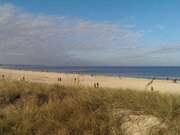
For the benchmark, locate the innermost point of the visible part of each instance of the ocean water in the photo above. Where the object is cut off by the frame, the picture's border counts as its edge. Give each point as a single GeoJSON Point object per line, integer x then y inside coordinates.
{"type": "Point", "coordinates": [142, 72]}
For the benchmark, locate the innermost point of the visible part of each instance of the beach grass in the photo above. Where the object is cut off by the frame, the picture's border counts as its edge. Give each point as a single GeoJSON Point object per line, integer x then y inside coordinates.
{"type": "Point", "coordinates": [42, 109]}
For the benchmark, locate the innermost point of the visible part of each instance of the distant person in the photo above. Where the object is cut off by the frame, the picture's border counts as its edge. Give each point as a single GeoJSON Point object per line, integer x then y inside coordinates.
{"type": "Point", "coordinates": [23, 78]}
{"type": "Point", "coordinates": [175, 80]}
{"type": "Point", "coordinates": [97, 85]}
{"type": "Point", "coordinates": [59, 79]}
{"type": "Point", "coordinates": [152, 88]}
{"type": "Point", "coordinates": [3, 77]}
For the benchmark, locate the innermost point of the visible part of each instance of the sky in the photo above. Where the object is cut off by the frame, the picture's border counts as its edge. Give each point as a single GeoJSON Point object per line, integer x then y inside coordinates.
{"type": "Point", "coordinates": [90, 32]}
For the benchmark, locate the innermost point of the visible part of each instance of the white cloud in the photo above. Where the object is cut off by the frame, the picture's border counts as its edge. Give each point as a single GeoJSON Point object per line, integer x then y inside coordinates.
{"type": "Point", "coordinates": [27, 38]}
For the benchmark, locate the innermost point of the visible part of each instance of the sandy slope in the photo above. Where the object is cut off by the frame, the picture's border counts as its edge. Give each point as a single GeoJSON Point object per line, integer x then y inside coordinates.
{"type": "Point", "coordinates": [163, 86]}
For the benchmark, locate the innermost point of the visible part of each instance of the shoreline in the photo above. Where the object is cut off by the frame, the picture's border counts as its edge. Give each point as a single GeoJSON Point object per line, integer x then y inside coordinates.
{"type": "Point", "coordinates": [88, 80]}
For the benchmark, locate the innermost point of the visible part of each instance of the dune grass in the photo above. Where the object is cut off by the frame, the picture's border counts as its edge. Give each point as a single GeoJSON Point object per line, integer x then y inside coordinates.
{"type": "Point", "coordinates": [42, 109]}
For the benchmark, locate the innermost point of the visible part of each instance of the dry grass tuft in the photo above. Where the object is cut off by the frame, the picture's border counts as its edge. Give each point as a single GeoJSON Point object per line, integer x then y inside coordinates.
{"type": "Point", "coordinates": [41, 109]}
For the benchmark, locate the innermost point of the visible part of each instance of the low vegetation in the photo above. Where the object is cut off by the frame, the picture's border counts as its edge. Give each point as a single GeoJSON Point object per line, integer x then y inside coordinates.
{"type": "Point", "coordinates": [42, 109]}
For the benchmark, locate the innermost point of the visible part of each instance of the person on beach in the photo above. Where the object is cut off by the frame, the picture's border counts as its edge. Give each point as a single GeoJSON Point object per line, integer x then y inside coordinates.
{"type": "Point", "coordinates": [175, 80]}
{"type": "Point", "coordinates": [96, 85]}
{"type": "Point", "coordinates": [3, 77]}
{"type": "Point", "coordinates": [152, 88]}
{"type": "Point", "coordinates": [59, 79]}
{"type": "Point", "coordinates": [23, 78]}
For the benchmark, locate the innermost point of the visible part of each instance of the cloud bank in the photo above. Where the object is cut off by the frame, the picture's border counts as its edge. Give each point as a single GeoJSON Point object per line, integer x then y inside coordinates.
{"type": "Point", "coordinates": [27, 38]}
{"type": "Point", "coordinates": [39, 39]}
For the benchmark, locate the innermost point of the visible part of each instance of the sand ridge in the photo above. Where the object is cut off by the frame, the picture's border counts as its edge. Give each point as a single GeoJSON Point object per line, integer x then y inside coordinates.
{"type": "Point", "coordinates": [163, 86]}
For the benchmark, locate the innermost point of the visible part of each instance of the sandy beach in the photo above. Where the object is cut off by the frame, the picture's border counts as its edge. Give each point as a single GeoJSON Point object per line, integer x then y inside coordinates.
{"type": "Point", "coordinates": [68, 79]}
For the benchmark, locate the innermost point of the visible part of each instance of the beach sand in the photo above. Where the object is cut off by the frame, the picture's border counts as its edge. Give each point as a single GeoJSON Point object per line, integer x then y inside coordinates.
{"type": "Point", "coordinates": [67, 79]}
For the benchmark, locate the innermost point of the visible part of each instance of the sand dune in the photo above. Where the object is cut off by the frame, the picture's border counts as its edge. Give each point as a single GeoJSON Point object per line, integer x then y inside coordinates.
{"type": "Point", "coordinates": [163, 86]}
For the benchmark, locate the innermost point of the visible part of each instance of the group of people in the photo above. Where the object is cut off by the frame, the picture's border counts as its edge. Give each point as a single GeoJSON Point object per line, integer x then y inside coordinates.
{"type": "Point", "coordinates": [3, 77]}
{"type": "Point", "coordinates": [96, 84]}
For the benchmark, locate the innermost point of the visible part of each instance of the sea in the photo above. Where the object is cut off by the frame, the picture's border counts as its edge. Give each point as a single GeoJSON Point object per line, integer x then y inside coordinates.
{"type": "Point", "coordinates": [125, 71]}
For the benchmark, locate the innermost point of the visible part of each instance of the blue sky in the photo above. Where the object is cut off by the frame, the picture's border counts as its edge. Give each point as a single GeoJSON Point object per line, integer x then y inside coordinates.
{"type": "Point", "coordinates": [142, 32]}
